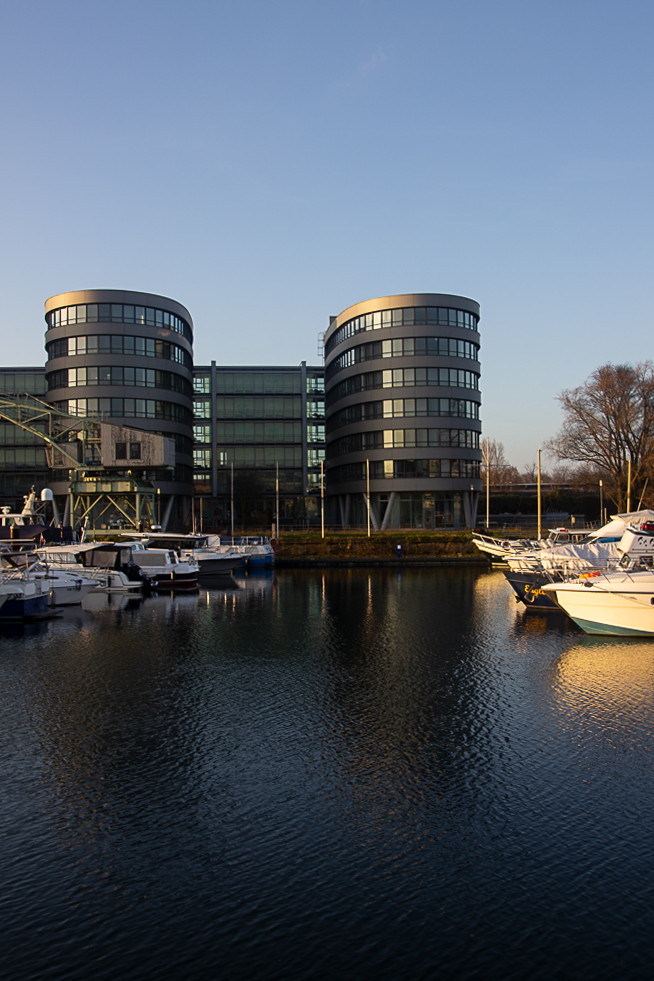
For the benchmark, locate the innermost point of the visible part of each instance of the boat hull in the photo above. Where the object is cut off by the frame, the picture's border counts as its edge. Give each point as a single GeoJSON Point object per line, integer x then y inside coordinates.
{"type": "Point", "coordinates": [218, 564]}
{"type": "Point", "coordinates": [528, 587]}
{"type": "Point", "coordinates": [21, 607]}
{"type": "Point", "coordinates": [616, 614]}
{"type": "Point", "coordinates": [170, 580]}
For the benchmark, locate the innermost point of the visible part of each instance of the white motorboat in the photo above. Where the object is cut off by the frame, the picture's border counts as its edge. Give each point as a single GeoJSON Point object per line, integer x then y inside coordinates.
{"type": "Point", "coordinates": [108, 565]}
{"type": "Point", "coordinates": [22, 597]}
{"type": "Point", "coordinates": [213, 558]}
{"type": "Point", "coordinates": [500, 548]}
{"type": "Point", "coordinates": [530, 571]}
{"type": "Point", "coordinates": [66, 588]}
{"type": "Point", "coordinates": [163, 569]}
{"type": "Point", "coordinates": [619, 602]}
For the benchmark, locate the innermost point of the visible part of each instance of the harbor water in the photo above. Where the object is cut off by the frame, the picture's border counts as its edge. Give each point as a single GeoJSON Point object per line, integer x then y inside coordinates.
{"type": "Point", "coordinates": [348, 774]}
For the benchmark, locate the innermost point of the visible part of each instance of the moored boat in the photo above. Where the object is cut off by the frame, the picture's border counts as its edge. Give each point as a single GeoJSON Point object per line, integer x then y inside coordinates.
{"type": "Point", "coordinates": [618, 602]}
{"type": "Point", "coordinates": [212, 558]}
{"type": "Point", "coordinates": [530, 571]}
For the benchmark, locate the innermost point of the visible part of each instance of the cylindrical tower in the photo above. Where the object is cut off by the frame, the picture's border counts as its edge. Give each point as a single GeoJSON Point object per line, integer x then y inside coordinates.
{"type": "Point", "coordinates": [126, 358]}
{"type": "Point", "coordinates": [409, 416]}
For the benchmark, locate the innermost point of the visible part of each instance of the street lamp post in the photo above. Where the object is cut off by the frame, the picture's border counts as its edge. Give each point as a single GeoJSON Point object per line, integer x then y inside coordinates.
{"type": "Point", "coordinates": [601, 488]}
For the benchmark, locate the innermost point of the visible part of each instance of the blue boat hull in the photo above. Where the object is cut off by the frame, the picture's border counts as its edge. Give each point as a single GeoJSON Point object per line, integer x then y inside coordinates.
{"type": "Point", "coordinates": [24, 606]}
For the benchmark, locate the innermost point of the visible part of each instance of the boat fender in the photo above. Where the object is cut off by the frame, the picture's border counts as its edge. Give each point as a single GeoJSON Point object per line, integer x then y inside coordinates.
{"type": "Point", "coordinates": [506, 545]}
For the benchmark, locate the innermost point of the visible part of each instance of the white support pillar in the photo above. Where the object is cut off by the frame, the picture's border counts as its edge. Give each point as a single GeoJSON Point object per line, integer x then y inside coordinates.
{"type": "Point", "coordinates": [387, 512]}
{"type": "Point", "coordinates": [373, 516]}
{"type": "Point", "coordinates": [169, 508]}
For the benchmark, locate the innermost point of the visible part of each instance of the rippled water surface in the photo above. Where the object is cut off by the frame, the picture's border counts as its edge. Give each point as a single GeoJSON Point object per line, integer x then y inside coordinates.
{"type": "Point", "coordinates": [343, 775]}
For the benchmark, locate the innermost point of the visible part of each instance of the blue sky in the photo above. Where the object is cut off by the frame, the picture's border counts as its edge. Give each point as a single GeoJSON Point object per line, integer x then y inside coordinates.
{"type": "Point", "coordinates": [270, 163]}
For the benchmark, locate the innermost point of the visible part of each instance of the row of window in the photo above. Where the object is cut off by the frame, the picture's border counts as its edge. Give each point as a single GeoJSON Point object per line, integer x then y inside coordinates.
{"type": "Point", "coordinates": [404, 347]}
{"type": "Point", "coordinates": [118, 344]}
{"type": "Point", "coordinates": [401, 408]}
{"type": "Point", "coordinates": [260, 408]}
{"type": "Point", "coordinates": [403, 317]}
{"type": "Point", "coordinates": [11, 435]}
{"type": "Point", "coordinates": [22, 381]}
{"type": "Point", "coordinates": [403, 469]}
{"type": "Point", "coordinates": [259, 456]}
{"type": "Point", "coordinates": [264, 408]}
{"type": "Point", "coordinates": [251, 432]}
{"type": "Point", "coordinates": [22, 457]}
{"type": "Point", "coordinates": [382, 439]}
{"type": "Point", "coordinates": [259, 383]}
{"type": "Point", "coordinates": [289, 482]}
{"type": "Point", "coordinates": [126, 409]}
{"type": "Point", "coordinates": [118, 313]}
{"type": "Point", "coordinates": [404, 378]}
{"type": "Point", "coordinates": [118, 375]}
{"type": "Point", "coordinates": [258, 432]}
{"type": "Point", "coordinates": [250, 456]}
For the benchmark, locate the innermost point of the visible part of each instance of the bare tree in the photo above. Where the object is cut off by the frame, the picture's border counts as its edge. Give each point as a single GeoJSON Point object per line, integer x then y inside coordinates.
{"type": "Point", "coordinates": [608, 421]}
{"type": "Point", "coordinates": [501, 471]}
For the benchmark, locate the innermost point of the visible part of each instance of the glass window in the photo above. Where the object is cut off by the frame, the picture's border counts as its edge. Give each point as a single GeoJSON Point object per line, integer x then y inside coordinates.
{"type": "Point", "coordinates": [139, 315]}
{"type": "Point", "coordinates": [117, 375]}
{"type": "Point", "coordinates": [135, 451]}
{"type": "Point", "coordinates": [166, 318]}
{"type": "Point", "coordinates": [117, 312]}
{"type": "Point", "coordinates": [420, 315]}
{"type": "Point", "coordinates": [397, 318]}
{"type": "Point", "coordinates": [159, 318]}
{"type": "Point", "coordinates": [376, 320]}
{"type": "Point", "coordinates": [72, 315]}
{"type": "Point", "coordinates": [92, 313]}
{"type": "Point", "coordinates": [408, 316]}
{"type": "Point", "coordinates": [104, 311]}
{"type": "Point", "coordinates": [128, 345]}
{"type": "Point", "coordinates": [149, 316]}
{"type": "Point", "coordinates": [139, 345]}
{"type": "Point", "coordinates": [121, 451]}
{"type": "Point", "coordinates": [116, 407]}
{"type": "Point", "coordinates": [386, 318]}
{"type": "Point", "coordinates": [116, 344]}
{"type": "Point", "coordinates": [81, 314]}
{"type": "Point", "coordinates": [128, 314]}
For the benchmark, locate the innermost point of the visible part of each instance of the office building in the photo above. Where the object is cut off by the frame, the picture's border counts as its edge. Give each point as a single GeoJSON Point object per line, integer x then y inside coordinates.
{"type": "Point", "coordinates": [260, 431]}
{"type": "Point", "coordinates": [402, 399]}
{"type": "Point", "coordinates": [127, 358]}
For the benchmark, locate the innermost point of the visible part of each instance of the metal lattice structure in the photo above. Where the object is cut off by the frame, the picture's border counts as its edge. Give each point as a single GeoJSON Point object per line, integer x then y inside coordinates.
{"type": "Point", "coordinates": [87, 450]}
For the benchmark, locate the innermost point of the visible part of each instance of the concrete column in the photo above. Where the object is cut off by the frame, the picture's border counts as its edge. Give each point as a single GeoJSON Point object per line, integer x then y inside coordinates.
{"type": "Point", "coordinates": [373, 516]}
{"type": "Point", "coordinates": [166, 517]}
{"type": "Point", "coordinates": [387, 513]}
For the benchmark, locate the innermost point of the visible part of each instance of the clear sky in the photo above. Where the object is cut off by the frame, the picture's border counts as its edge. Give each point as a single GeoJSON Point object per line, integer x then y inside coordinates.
{"type": "Point", "coordinates": [270, 163]}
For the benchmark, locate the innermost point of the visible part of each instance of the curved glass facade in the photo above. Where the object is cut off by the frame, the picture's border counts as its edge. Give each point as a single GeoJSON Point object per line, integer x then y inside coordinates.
{"type": "Point", "coordinates": [105, 357]}
{"type": "Point", "coordinates": [438, 486]}
{"type": "Point", "coordinates": [118, 313]}
{"type": "Point", "coordinates": [145, 347]}
{"type": "Point", "coordinates": [92, 375]}
{"type": "Point", "coordinates": [401, 317]}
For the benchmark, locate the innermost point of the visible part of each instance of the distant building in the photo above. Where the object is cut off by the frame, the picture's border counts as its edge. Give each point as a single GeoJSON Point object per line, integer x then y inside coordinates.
{"type": "Point", "coordinates": [126, 358]}
{"type": "Point", "coordinates": [398, 403]}
{"type": "Point", "coordinates": [402, 398]}
{"type": "Point", "coordinates": [266, 425]}
{"type": "Point", "coordinates": [22, 455]}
